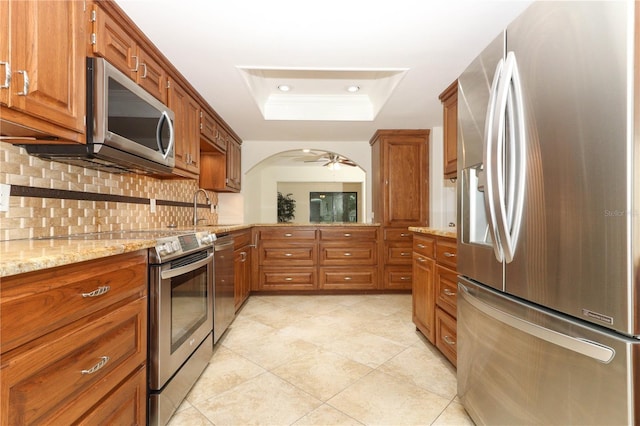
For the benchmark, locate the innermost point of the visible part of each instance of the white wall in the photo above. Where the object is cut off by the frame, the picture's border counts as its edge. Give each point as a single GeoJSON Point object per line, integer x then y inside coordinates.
{"type": "Point", "coordinates": [442, 192]}
{"type": "Point", "coordinates": [259, 189]}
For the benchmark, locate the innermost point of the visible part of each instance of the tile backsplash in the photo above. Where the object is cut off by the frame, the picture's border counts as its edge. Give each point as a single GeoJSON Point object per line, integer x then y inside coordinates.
{"type": "Point", "coordinates": [44, 200]}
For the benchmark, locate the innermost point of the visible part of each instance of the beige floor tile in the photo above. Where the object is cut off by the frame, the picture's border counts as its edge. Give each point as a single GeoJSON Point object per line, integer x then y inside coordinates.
{"type": "Point", "coordinates": [364, 347]}
{"type": "Point", "coordinates": [225, 370]}
{"type": "Point", "coordinates": [270, 349]}
{"type": "Point", "coordinates": [322, 374]}
{"type": "Point", "coordinates": [425, 368]}
{"type": "Point", "coordinates": [326, 415]}
{"type": "Point", "coordinates": [263, 400]}
{"type": "Point", "coordinates": [380, 399]}
{"type": "Point", "coordinates": [189, 417]}
{"type": "Point", "coordinates": [454, 415]}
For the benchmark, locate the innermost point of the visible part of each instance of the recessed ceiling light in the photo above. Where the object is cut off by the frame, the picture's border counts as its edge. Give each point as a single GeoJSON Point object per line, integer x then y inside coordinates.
{"type": "Point", "coordinates": [353, 88]}
{"type": "Point", "coordinates": [306, 150]}
{"type": "Point", "coordinates": [284, 87]}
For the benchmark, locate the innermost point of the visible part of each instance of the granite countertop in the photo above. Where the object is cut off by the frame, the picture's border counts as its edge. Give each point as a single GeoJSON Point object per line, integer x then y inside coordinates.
{"type": "Point", "coordinates": [441, 232]}
{"type": "Point", "coordinates": [21, 256]}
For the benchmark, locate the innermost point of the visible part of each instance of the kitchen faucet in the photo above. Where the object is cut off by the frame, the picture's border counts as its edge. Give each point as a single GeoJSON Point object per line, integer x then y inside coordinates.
{"type": "Point", "coordinates": [195, 204]}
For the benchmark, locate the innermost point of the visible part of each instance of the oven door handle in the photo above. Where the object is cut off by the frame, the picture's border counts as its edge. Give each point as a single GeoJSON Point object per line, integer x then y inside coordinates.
{"type": "Point", "coordinates": [170, 273]}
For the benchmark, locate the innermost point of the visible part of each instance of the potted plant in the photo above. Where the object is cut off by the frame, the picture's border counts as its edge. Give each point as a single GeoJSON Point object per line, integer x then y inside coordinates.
{"type": "Point", "coordinates": [286, 207]}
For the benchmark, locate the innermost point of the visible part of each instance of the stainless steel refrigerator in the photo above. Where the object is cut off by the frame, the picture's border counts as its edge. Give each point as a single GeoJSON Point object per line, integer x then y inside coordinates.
{"type": "Point", "coordinates": [549, 229]}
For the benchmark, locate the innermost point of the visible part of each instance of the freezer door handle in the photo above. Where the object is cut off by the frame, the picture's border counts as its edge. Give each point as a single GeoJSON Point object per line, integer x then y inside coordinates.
{"type": "Point", "coordinates": [601, 353]}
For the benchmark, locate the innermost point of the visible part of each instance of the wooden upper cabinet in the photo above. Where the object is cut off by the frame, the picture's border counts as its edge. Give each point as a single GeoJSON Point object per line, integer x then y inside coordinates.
{"type": "Point", "coordinates": [187, 123]}
{"type": "Point", "coordinates": [449, 99]}
{"type": "Point", "coordinates": [400, 177]}
{"type": "Point", "coordinates": [113, 42]}
{"type": "Point", "coordinates": [42, 49]}
{"type": "Point", "coordinates": [212, 135]}
{"type": "Point", "coordinates": [221, 171]}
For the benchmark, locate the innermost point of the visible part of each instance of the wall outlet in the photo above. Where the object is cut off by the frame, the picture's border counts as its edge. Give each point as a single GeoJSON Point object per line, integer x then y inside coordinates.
{"type": "Point", "coordinates": [213, 207]}
{"type": "Point", "coordinates": [152, 205]}
{"type": "Point", "coordinates": [5, 191]}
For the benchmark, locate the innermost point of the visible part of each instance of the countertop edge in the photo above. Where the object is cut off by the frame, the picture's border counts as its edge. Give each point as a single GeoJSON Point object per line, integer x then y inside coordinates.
{"type": "Point", "coordinates": [446, 232]}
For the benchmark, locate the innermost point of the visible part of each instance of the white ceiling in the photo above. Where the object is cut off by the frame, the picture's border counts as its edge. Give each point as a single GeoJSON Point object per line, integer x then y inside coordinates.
{"type": "Point", "coordinates": [402, 54]}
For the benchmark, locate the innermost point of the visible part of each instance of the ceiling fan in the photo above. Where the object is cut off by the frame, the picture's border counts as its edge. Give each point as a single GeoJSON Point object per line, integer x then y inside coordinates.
{"type": "Point", "coordinates": [332, 160]}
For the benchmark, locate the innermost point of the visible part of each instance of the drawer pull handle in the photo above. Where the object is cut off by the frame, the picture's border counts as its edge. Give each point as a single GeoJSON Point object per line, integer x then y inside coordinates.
{"type": "Point", "coordinates": [347, 278]}
{"type": "Point", "coordinates": [448, 292]}
{"type": "Point", "coordinates": [347, 254]}
{"type": "Point", "coordinates": [288, 254]}
{"type": "Point", "coordinates": [25, 83]}
{"type": "Point", "coordinates": [7, 75]}
{"type": "Point", "coordinates": [347, 235]}
{"type": "Point", "coordinates": [404, 253]}
{"type": "Point", "coordinates": [405, 235]}
{"type": "Point", "coordinates": [97, 292]}
{"type": "Point", "coordinates": [405, 278]}
{"type": "Point", "coordinates": [447, 254]}
{"type": "Point", "coordinates": [449, 340]}
{"type": "Point", "coordinates": [421, 246]}
{"type": "Point", "coordinates": [421, 259]}
{"type": "Point", "coordinates": [288, 234]}
{"type": "Point", "coordinates": [103, 361]}
{"type": "Point", "coordinates": [288, 279]}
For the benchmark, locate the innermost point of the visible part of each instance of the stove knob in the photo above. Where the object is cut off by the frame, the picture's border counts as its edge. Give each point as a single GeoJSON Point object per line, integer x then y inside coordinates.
{"type": "Point", "coordinates": [165, 248]}
{"type": "Point", "coordinates": [208, 238]}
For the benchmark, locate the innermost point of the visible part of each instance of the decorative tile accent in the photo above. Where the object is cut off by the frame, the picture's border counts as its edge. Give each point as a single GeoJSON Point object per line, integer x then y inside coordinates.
{"type": "Point", "coordinates": [32, 217]}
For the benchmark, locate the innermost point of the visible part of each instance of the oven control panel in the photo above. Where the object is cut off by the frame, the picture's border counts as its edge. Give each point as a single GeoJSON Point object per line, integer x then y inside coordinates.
{"type": "Point", "coordinates": [177, 245]}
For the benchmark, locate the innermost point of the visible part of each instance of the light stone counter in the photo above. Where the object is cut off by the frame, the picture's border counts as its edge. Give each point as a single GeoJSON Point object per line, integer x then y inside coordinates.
{"type": "Point", "coordinates": [20, 256]}
{"type": "Point", "coordinates": [442, 232]}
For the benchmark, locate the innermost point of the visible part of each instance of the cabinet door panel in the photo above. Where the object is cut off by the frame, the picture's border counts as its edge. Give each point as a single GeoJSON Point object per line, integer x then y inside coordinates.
{"type": "Point", "coordinates": [152, 76]}
{"type": "Point", "coordinates": [424, 296]}
{"type": "Point", "coordinates": [347, 254]}
{"type": "Point", "coordinates": [62, 378]}
{"type": "Point", "coordinates": [5, 60]}
{"type": "Point", "coordinates": [114, 44]}
{"type": "Point", "coordinates": [299, 278]}
{"type": "Point", "coordinates": [446, 335]}
{"type": "Point", "coordinates": [349, 278]}
{"type": "Point", "coordinates": [47, 61]}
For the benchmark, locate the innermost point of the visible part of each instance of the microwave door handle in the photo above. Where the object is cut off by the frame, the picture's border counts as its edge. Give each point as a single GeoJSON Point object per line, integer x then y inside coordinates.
{"type": "Point", "coordinates": [165, 117]}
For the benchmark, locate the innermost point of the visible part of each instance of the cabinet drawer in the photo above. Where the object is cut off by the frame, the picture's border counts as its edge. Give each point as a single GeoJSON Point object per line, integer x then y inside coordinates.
{"type": "Point", "coordinates": [349, 278]}
{"type": "Point", "coordinates": [288, 234]}
{"type": "Point", "coordinates": [126, 405]}
{"type": "Point", "coordinates": [348, 234]}
{"type": "Point", "coordinates": [398, 234]}
{"type": "Point", "coordinates": [291, 279]}
{"type": "Point", "coordinates": [61, 378]}
{"type": "Point", "coordinates": [446, 290]}
{"type": "Point", "coordinates": [446, 335]}
{"type": "Point", "coordinates": [288, 255]}
{"type": "Point", "coordinates": [398, 253]}
{"type": "Point", "coordinates": [447, 253]}
{"type": "Point", "coordinates": [241, 238]}
{"type": "Point", "coordinates": [424, 245]}
{"type": "Point", "coordinates": [37, 303]}
{"type": "Point", "coordinates": [398, 278]}
{"type": "Point", "coordinates": [347, 255]}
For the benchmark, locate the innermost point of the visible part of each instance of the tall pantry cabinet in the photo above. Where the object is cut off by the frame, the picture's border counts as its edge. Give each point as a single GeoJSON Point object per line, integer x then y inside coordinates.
{"type": "Point", "coordinates": [400, 189]}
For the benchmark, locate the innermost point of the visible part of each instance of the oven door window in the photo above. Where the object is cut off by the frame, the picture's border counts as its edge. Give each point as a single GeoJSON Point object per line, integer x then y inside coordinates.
{"type": "Point", "coordinates": [188, 305]}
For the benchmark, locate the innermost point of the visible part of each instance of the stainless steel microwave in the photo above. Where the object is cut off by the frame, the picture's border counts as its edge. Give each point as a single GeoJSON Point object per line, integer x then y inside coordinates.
{"type": "Point", "coordinates": [128, 130]}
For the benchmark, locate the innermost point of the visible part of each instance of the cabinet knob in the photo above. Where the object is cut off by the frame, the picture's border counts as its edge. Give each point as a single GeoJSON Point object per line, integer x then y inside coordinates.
{"type": "Point", "coordinates": [288, 254]}
{"type": "Point", "coordinates": [103, 361]}
{"type": "Point", "coordinates": [7, 75]}
{"type": "Point", "coordinates": [347, 278]}
{"type": "Point", "coordinates": [448, 292]}
{"type": "Point", "coordinates": [447, 254]}
{"type": "Point", "coordinates": [449, 340]}
{"type": "Point", "coordinates": [97, 292]}
{"type": "Point", "coordinates": [347, 254]}
{"type": "Point", "coordinates": [421, 246]}
{"type": "Point", "coordinates": [288, 234]}
{"type": "Point", "coordinates": [404, 253]}
{"type": "Point", "coordinates": [347, 235]}
{"type": "Point", "coordinates": [288, 279]}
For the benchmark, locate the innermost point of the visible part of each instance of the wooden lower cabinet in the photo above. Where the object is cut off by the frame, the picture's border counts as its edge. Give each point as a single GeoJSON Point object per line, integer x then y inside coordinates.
{"type": "Point", "coordinates": [91, 351]}
{"type": "Point", "coordinates": [318, 258]}
{"type": "Point", "coordinates": [242, 255]}
{"type": "Point", "coordinates": [435, 291]}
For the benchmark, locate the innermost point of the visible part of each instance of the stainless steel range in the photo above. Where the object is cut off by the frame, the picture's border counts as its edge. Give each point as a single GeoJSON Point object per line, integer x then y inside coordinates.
{"type": "Point", "coordinates": [181, 274]}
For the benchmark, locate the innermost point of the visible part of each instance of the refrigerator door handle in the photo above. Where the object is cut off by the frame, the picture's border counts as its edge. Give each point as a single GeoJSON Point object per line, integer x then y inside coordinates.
{"type": "Point", "coordinates": [488, 177]}
{"type": "Point", "coordinates": [601, 353]}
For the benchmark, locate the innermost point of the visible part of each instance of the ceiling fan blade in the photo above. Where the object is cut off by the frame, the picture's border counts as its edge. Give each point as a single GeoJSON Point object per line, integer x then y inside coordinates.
{"type": "Point", "coordinates": [347, 162]}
